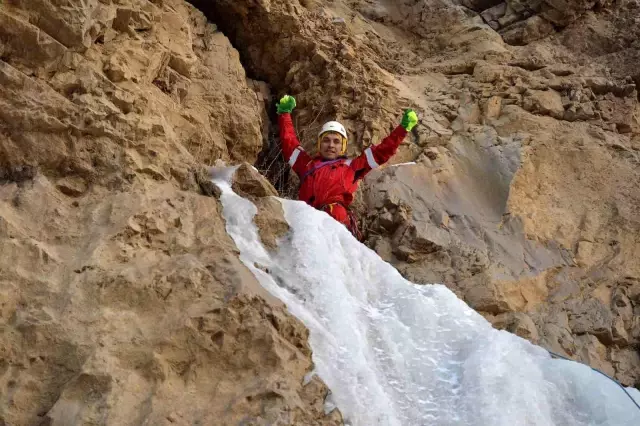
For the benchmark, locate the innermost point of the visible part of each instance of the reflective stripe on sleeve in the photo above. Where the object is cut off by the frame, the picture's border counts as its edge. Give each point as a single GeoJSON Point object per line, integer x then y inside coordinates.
{"type": "Point", "coordinates": [370, 160]}
{"type": "Point", "coordinates": [294, 156]}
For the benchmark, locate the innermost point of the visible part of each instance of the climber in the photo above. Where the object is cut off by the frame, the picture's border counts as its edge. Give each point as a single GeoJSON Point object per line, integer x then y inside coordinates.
{"type": "Point", "coordinates": [329, 179]}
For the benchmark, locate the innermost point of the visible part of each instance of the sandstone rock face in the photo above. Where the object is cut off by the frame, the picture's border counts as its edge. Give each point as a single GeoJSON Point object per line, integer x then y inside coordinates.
{"type": "Point", "coordinates": [122, 298]}
{"type": "Point", "coordinates": [143, 97]}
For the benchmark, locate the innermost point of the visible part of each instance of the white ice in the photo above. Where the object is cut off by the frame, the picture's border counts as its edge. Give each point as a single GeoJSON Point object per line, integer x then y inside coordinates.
{"type": "Point", "coordinates": [396, 353]}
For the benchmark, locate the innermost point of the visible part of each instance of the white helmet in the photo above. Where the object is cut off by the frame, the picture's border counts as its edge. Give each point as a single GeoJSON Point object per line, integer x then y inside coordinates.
{"type": "Point", "coordinates": [333, 126]}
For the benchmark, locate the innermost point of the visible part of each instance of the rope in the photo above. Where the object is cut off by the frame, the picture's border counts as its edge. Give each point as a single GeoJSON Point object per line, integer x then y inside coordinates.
{"type": "Point", "coordinates": [553, 354]}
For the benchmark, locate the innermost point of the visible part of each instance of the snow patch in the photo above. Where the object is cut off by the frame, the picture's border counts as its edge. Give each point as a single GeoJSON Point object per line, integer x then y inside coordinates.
{"type": "Point", "coordinates": [410, 163]}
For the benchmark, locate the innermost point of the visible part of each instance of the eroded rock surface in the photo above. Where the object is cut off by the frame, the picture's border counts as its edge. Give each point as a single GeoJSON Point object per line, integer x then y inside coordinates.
{"type": "Point", "coordinates": [122, 298]}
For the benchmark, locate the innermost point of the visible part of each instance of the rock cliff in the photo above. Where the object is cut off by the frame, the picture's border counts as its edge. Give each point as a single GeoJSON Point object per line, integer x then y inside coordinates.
{"type": "Point", "coordinates": [122, 298]}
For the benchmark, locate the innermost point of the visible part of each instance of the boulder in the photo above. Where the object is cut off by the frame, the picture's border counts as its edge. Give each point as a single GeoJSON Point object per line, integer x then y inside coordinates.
{"type": "Point", "coordinates": [527, 31]}
{"type": "Point", "coordinates": [624, 362]}
{"type": "Point", "coordinates": [270, 221]}
{"type": "Point", "coordinates": [248, 182]}
{"type": "Point", "coordinates": [546, 102]}
{"type": "Point", "coordinates": [517, 323]}
{"type": "Point", "coordinates": [620, 335]}
{"type": "Point", "coordinates": [592, 352]}
{"type": "Point", "coordinates": [73, 186]}
{"type": "Point", "coordinates": [492, 107]}
{"type": "Point", "coordinates": [593, 317]}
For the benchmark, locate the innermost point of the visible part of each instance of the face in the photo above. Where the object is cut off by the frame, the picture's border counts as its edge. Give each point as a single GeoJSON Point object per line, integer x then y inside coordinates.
{"type": "Point", "coordinates": [331, 146]}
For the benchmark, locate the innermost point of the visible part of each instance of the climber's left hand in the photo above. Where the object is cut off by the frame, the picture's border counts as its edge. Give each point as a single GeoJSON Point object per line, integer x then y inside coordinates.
{"type": "Point", "coordinates": [409, 120]}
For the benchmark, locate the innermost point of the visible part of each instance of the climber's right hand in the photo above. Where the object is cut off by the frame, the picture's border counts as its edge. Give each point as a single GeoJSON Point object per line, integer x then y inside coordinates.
{"type": "Point", "coordinates": [286, 104]}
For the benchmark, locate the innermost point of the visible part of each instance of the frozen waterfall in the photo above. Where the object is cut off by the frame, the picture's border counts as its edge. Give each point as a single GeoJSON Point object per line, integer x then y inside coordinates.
{"type": "Point", "coordinates": [396, 353]}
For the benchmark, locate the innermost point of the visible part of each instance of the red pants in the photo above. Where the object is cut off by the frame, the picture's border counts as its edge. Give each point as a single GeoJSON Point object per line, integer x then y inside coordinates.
{"type": "Point", "coordinates": [344, 216]}
{"type": "Point", "coordinates": [338, 212]}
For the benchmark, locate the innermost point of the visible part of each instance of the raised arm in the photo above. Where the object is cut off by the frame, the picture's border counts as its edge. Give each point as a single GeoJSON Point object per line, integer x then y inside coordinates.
{"type": "Point", "coordinates": [291, 149]}
{"type": "Point", "coordinates": [376, 155]}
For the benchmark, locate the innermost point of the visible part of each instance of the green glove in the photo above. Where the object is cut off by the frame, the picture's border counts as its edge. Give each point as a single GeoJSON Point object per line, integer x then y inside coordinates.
{"type": "Point", "coordinates": [286, 104]}
{"type": "Point", "coordinates": [409, 120]}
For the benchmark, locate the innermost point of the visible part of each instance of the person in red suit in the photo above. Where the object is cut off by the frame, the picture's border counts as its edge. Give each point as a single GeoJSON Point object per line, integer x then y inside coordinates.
{"type": "Point", "coordinates": [329, 179]}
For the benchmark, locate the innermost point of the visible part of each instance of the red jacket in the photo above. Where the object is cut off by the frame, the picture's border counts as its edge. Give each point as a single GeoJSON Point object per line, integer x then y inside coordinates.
{"type": "Point", "coordinates": [330, 187]}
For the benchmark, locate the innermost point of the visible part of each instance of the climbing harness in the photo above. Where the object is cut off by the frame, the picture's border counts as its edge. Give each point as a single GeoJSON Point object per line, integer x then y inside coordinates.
{"type": "Point", "coordinates": [319, 166]}
{"type": "Point", "coordinates": [352, 226]}
{"type": "Point", "coordinates": [553, 354]}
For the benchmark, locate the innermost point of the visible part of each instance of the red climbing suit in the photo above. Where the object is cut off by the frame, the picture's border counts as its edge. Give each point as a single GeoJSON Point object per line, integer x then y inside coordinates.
{"type": "Point", "coordinates": [329, 185]}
